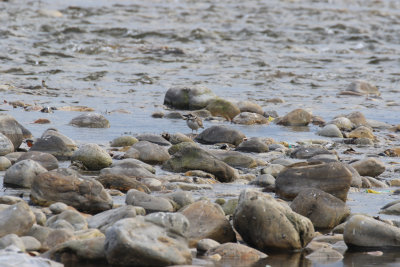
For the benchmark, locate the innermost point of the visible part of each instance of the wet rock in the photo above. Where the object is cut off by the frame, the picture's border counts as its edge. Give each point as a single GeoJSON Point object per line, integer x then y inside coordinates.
{"type": "Point", "coordinates": [86, 250]}
{"type": "Point", "coordinates": [188, 98]}
{"type": "Point", "coordinates": [8, 258]}
{"type": "Point", "coordinates": [285, 230]}
{"type": "Point", "coordinates": [363, 88]}
{"type": "Point", "coordinates": [16, 219]}
{"type": "Point", "coordinates": [47, 160]}
{"type": "Point", "coordinates": [305, 152]}
{"type": "Point", "coordinates": [254, 144]}
{"type": "Point", "coordinates": [86, 195]}
{"type": "Point", "coordinates": [207, 220]}
{"type": "Point", "coordinates": [235, 159]}
{"type": "Point", "coordinates": [325, 256]}
{"type": "Point", "coordinates": [392, 208]}
{"type": "Point", "coordinates": [330, 130]}
{"type": "Point", "coordinates": [369, 167]}
{"type": "Point", "coordinates": [206, 244]}
{"type": "Point", "coordinates": [177, 138]}
{"type": "Point", "coordinates": [158, 114]}
{"type": "Point", "coordinates": [362, 132]}
{"type": "Point", "coordinates": [122, 183]}
{"type": "Point", "coordinates": [153, 138]}
{"type": "Point", "coordinates": [174, 115]}
{"type": "Point", "coordinates": [106, 219]}
{"type": "Point", "coordinates": [357, 118]}
{"type": "Point", "coordinates": [56, 144]}
{"type": "Point", "coordinates": [248, 118]}
{"type": "Point", "coordinates": [6, 146]}
{"type": "Point", "coordinates": [342, 123]}
{"type": "Point", "coordinates": [11, 240]}
{"type": "Point", "coordinates": [333, 178]}
{"type": "Point", "coordinates": [5, 163]}
{"type": "Point", "coordinates": [323, 209]}
{"type": "Point", "coordinates": [22, 173]}
{"type": "Point", "coordinates": [148, 202]}
{"type": "Point", "coordinates": [223, 108]}
{"type": "Point", "coordinates": [374, 124]}
{"type": "Point", "coordinates": [249, 106]}
{"type": "Point", "coordinates": [151, 153]}
{"type": "Point", "coordinates": [31, 243]}
{"type": "Point", "coordinates": [297, 117]}
{"type": "Point", "coordinates": [154, 240]}
{"type": "Point", "coordinates": [77, 221]}
{"type": "Point", "coordinates": [92, 156]}
{"type": "Point", "coordinates": [126, 140]}
{"type": "Point", "coordinates": [237, 252]}
{"type": "Point", "coordinates": [220, 134]}
{"type": "Point", "coordinates": [90, 120]}
{"type": "Point", "coordinates": [362, 231]}
{"type": "Point", "coordinates": [194, 158]}
{"type": "Point", "coordinates": [11, 129]}
{"type": "Point", "coordinates": [273, 169]}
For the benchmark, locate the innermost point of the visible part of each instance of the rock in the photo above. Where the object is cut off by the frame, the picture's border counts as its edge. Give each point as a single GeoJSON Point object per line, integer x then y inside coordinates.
{"type": "Point", "coordinates": [11, 240]}
{"type": "Point", "coordinates": [206, 244]}
{"type": "Point", "coordinates": [58, 207]}
{"type": "Point", "coordinates": [273, 169]}
{"type": "Point", "coordinates": [207, 220]}
{"type": "Point", "coordinates": [22, 173]}
{"type": "Point", "coordinates": [174, 115]}
{"type": "Point", "coordinates": [77, 221]}
{"type": "Point", "coordinates": [92, 156]}
{"type": "Point", "coordinates": [187, 186]}
{"type": "Point", "coordinates": [178, 147]}
{"type": "Point", "coordinates": [58, 236]}
{"type": "Point", "coordinates": [333, 178]}
{"type": "Point", "coordinates": [83, 250]}
{"type": "Point", "coordinates": [297, 117]}
{"type": "Point", "coordinates": [285, 230]}
{"type": "Point", "coordinates": [264, 180]}
{"type": "Point", "coordinates": [8, 258]}
{"type": "Point", "coordinates": [392, 208]}
{"type": "Point", "coordinates": [12, 157]}
{"type": "Point", "coordinates": [317, 120]}
{"type": "Point", "coordinates": [47, 160]}
{"type": "Point", "coordinates": [363, 88]}
{"type": "Point", "coordinates": [357, 118]}
{"type": "Point", "coordinates": [369, 167]}
{"type": "Point", "coordinates": [249, 106]}
{"type": "Point", "coordinates": [122, 183]}
{"type": "Point", "coordinates": [342, 123]}
{"type": "Point", "coordinates": [148, 202]}
{"type": "Point", "coordinates": [126, 140]}
{"type": "Point", "coordinates": [151, 153]}
{"type": "Point", "coordinates": [155, 240]}
{"type": "Point", "coordinates": [177, 138]}
{"type": "Point", "coordinates": [270, 114]}
{"type": "Point", "coordinates": [131, 153]}
{"type": "Point", "coordinates": [90, 120]}
{"type": "Point", "coordinates": [86, 195]}
{"type": "Point", "coordinates": [325, 256]}
{"type": "Point", "coordinates": [153, 138]}
{"type": "Point", "coordinates": [323, 209]}
{"type": "Point", "coordinates": [356, 180]}
{"type": "Point", "coordinates": [361, 132]}
{"type": "Point", "coordinates": [220, 134]}
{"type": "Point", "coordinates": [188, 98]}
{"type": "Point", "coordinates": [5, 163]}
{"type": "Point", "coordinates": [10, 200]}
{"type": "Point", "coordinates": [12, 130]}
{"type": "Point", "coordinates": [305, 152]}
{"type": "Point", "coordinates": [248, 118]}
{"type": "Point", "coordinates": [365, 232]}
{"type": "Point", "coordinates": [39, 232]}
{"type": "Point", "coordinates": [330, 130]}
{"type": "Point", "coordinates": [240, 253]}
{"type": "Point", "coordinates": [31, 243]}
{"type": "Point", "coordinates": [16, 219]}
{"type": "Point", "coordinates": [158, 114]}
{"type": "Point", "coordinates": [223, 108]}
{"type": "Point", "coordinates": [130, 168]}
{"type": "Point", "coordinates": [325, 158]}
{"type": "Point", "coordinates": [235, 159]}
{"type": "Point", "coordinates": [180, 197]}
{"type": "Point", "coordinates": [194, 158]}
{"type": "Point", "coordinates": [106, 219]}
{"type": "Point", "coordinates": [254, 144]}
{"type": "Point", "coordinates": [56, 144]}
{"type": "Point", "coordinates": [229, 206]}
{"type": "Point", "coordinates": [6, 146]}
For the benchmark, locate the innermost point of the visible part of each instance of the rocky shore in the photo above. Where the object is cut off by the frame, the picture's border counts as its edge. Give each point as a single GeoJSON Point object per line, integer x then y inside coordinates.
{"type": "Point", "coordinates": [292, 197]}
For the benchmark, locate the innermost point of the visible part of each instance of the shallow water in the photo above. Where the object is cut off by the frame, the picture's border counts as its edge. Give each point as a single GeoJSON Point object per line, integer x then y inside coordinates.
{"type": "Point", "coordinates": [124, 55]}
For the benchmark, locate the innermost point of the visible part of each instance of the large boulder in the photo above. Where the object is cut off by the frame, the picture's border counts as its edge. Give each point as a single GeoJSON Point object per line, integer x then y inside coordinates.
{"type": "Point", "coordinates": [223, 108]}
{"type": "Point", "coordinates": [151, 153]}
{"type": "Point", "coordinates": [220, 134]}
{"type": "Point", "coordinates": [323, 209]}
{"type": "Point", "coordinates": [22, 173]}
{"type": "Point", "coordinates": [267, 224]}
{"type": "Point", "coordinates": [362, 231]}
{"type": "Point", "coordinates": [92, 156]}
{"type": "Point", "coordinates": [90, 120]}
{"type": "Point", "coordinates": [195, 158]}
{"type": "Point", "coordinates": [12, 129]}
{"type": "Point", "coordinates": [297, 117]}
{"type": "Point", "coordinates": [207, 220]}
{"type": "Point", "coordinates": [157, 239]}
{"type": "Point", "coordinates": [148, 202]}
{"type": "Point", "coordinates": [333, 178]}
{"type": "Point", "coordinates": [369, 167]}
{"type": "Point", "coordinates": [6, 146]}
{"type": "Point", "coordinates": [47, 160]}
{"type": "Point", "coordinates": [56, 144]}
{"type": "Point", "coordinates": [16, 219]}
{"type": "Point", "coordinates": [188, 98]}
{"type": "Point", "coordinates": [60, 185]}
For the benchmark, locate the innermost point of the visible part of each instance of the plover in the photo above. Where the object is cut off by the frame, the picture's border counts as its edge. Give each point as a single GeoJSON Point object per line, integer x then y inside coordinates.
{"type": "Point", "coordinates": [193, 122]}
